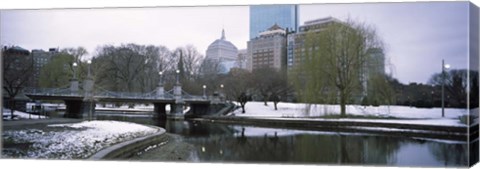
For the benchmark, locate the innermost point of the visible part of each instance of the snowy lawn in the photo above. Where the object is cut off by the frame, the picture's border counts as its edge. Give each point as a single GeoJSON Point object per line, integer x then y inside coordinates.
{"type": "Point", "coordinates": [70, 141]}
{"type": "Point", "coordinates": [387, 114]}
{"type": "Point", "coordinates": [19, 115]}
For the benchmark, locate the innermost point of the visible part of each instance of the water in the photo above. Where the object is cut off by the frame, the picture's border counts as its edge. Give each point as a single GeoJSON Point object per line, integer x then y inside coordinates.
{"type": "Point", "coordinates": [215, 142]}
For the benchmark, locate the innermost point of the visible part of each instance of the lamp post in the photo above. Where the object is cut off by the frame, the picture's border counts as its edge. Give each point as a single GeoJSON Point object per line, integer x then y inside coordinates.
{"type": "Point", "coordinates": [178, 73]}
{"type": "Point", "coordinates": [444, 66]}
{"type": "Point", "coordinates": [89, 62]}
{"type": "Point", "coordinates": [74, 70]}
{"type": "Point", "coordinates": [161, 78]}
{"type": "Point", "coordinates": [204, 91]}
{"type": "Point", "coordinates": [222, 93]}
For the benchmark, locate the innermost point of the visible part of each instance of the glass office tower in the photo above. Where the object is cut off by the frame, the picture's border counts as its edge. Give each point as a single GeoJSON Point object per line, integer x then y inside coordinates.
{"type": "Point", "coordinates": [263, 17]}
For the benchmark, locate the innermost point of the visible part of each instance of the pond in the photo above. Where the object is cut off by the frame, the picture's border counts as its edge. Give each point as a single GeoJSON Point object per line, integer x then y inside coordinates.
{"type": "Point", "coordinates": [215, 142]}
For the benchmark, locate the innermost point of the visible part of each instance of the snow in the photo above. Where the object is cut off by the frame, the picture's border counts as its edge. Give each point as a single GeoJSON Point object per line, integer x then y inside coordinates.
{"type": "Point", "coordinates": [20, 115]}
{"type": "Point", "coordinates": [405, 114]}
{"type": "Point", "coordinates": [271, 132]}
{"type": "Point", "coordinates": [261, 131]}
{"type": "Point", "coordinates": [72, 141]}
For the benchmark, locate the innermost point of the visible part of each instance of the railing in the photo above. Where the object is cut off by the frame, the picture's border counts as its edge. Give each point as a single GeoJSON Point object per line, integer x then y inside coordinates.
{"type": "Point", "coordinates": [188, 96]}
{"type": "Point", "coordinates": [51, 92]}
{"type": "Point", "coordinates": [106, 94]}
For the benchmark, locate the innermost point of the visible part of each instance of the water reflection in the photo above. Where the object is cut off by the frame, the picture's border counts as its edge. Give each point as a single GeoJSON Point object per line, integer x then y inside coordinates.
{"type": "Point", "coordinates": [235, 143]}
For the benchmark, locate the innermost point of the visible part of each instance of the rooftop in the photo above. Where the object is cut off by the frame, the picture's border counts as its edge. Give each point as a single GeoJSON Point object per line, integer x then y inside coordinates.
{"type": "Point", "coordinates": [321, 21]}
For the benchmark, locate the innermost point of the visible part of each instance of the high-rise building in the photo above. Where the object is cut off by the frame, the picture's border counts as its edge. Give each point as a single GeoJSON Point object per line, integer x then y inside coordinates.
{"type": "Point", "coordinates": [242, 59]}
{"type": "Point", "coordinates": [374, 66]}
{"type": "Point", "coordinates": [40, 59]}
{"type": "Point", "coordinates": [268, 49]}
{"type": "Point", "coordinates": [264, 16]}
{"type": "Point", "coordinates": [297, 52]}
{"type": "Point", "coordinates": [296, 49]}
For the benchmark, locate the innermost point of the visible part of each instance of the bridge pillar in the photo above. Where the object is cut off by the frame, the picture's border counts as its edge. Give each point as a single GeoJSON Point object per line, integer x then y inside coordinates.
{"type": "Point", "coordinates": [74, 86]}
{"type": "Point", "coordinates": [88, 110]}
{"type": "Point", "coordinates": [160, 91]}
{"type": "Point", "coordinates": [159, 110]}
{"type": "Point", "coordinates": [198, 110]}
{"type": "Point", "coordinates": [176, 111]}
{"type": "Point", "coordinates": [88, 105]}
{"type": "Point", "coordinates": [73, 109]}
{"type": "Point", "coordinates": [79, 109]}
{"type": "Point", "coordinates": [177, 92]}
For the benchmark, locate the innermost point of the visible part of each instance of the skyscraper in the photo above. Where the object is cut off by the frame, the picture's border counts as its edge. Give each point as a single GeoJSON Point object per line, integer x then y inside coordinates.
{"type": "Point", "coordinates": [40, 59]}
{"type": "Point", "coordinates": [268, 49]}
{"type": "Point", "coordinates": [263, 17]}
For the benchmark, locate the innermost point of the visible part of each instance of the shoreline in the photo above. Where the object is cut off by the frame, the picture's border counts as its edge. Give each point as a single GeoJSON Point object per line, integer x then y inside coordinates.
{"type": "Point", "coordinates": [457, 133]}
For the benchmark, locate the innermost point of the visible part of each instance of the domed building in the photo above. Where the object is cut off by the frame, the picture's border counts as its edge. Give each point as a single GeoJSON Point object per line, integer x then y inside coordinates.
{"type": "Point", "coordinates": [222, 50]}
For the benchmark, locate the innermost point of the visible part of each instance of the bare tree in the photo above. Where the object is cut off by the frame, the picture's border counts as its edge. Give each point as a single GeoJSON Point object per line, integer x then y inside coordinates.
{"type": "Point", "coordinates": [190, 57]}
{"type": "Point", "coordinates": [211, 67]}
{"type": "Point", "coordinates": [121, 66]}
{"type": "Point", "coordinates": [456, 84]}
{"type": "Point", "coordinates": [165, 61]}
{"type": "Point", "coordinates": [17, 70]}
{"type": "Point", "coordinates": [77, 53]}
{"type": "Point", "coordinates": [270, 83]}
{"type": "Point", "coordinates": [237, 83]}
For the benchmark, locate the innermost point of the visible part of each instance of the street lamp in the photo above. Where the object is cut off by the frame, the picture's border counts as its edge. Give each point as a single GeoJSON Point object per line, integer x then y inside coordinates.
{"type": "Point", "coordinates": [222, 93]}
{"type": "Point", "coordinates": [89, 62]}
{"type": "Point", "coordinates": [161, 77]}
{"type": "Point", "coordinates": [74, 70]}
{"type": "Point", "coordinates": [204, 91]}
{"type": "Point", "coordinates": [444, 66]}
{"type": "Point", "coordinates": [178, 73]}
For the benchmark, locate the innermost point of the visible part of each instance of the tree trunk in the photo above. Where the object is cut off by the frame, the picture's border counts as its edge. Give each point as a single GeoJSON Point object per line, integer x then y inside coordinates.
{"type": "Point", "coordinates": [265, 99]}
{"type": "Point", "coordinates": [12, 107]}
{"type": "Point", "coordinates": [275, 105]}
{"type": "Point", "coordinates": [343, 100]}
{"type": "Point", "coordinates": [242, 104]}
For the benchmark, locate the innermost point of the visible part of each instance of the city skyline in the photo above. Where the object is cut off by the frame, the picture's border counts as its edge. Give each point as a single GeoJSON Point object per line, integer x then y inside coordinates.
{"type": "Point", "coordinates": [199, 26]}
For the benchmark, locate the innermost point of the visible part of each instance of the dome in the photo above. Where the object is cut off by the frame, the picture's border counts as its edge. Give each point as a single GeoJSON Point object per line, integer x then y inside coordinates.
{"type": "Point", "coordinates": [220, 43]}
{"type": "Point", "coordinates": [222, 50]}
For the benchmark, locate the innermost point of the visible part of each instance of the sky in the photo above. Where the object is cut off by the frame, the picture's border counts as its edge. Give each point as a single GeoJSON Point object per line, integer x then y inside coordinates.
{"type": "Point", "coordinates": [417, 36]}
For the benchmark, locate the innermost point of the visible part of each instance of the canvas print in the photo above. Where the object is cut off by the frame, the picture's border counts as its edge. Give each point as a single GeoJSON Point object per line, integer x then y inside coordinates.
{"type": "Point", "coordinates": [376, 84]}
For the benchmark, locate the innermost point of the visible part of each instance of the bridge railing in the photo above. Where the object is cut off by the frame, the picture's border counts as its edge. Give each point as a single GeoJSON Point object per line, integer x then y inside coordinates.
{"type": "Point", "coordinates": [102, 93]}
{"type": "Point", "coordinates": [131, 95]}
{"type": "Point", "coordinates": [51, 91]}
{"type": "Point", "coordinates": [188, 96]}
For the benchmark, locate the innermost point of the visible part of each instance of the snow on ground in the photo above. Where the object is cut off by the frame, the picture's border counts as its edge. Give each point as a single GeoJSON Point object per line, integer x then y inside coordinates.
{"type": "Point", "coordinates": [273, 132]}
{"type": "Point", "coordinates": [72, 141]}
{"type": "Point", "coordinates": [20, 115]}
{"type": "Point", "coordinates": [414, 115]}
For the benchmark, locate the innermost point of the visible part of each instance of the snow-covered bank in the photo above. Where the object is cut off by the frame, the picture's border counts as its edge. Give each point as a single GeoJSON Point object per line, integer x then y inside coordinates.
{"type": "Point", "coordinates": [405, 114]}
{"type": "Point", "coordinates": [71, 141]}
{"type": "Point", "coordinates": [20, 115]}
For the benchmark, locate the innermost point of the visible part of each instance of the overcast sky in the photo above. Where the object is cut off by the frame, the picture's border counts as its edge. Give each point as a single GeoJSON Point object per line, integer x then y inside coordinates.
{"type": "Point", "coordinates": [417, 35]}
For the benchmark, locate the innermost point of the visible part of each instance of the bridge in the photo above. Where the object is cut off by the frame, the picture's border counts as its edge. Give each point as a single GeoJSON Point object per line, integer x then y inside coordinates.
{"type": "Point", "coordinates": [80, 102]}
